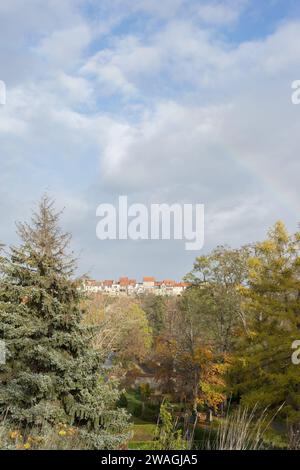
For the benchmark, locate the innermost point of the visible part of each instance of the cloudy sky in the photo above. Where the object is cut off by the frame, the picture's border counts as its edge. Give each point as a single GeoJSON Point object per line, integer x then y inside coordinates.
{"type": "Point", "coordinates": [165, 101]}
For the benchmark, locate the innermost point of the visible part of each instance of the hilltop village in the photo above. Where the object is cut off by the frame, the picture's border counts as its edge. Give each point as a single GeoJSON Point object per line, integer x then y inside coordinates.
{"type": "Point", "coordinates": [131, 287]}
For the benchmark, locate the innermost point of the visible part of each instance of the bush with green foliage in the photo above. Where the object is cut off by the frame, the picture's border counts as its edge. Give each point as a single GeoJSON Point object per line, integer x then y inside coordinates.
{"type": "Point", "coordinates": [168, 436]}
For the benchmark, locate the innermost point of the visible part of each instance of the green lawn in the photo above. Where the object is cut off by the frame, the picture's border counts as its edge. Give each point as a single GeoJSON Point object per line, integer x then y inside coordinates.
{"type": "Point", "coordinates": [143, 432]}
{"type": "Point", "coordinates": [143, 435]}
{"type": "Point", "coordinates": [140, 445]}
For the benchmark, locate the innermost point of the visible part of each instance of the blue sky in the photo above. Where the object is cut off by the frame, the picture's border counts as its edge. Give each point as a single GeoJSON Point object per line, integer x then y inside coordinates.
{"type": "Point", "coordinates": [174, 101]}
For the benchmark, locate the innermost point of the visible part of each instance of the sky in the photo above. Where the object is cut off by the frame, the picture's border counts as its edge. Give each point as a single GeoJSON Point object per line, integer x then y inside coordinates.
{"type": "Point", "coordinates": [173, 101]}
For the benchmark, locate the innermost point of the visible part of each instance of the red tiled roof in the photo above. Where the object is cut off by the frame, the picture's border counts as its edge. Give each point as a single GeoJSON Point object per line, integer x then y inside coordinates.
{"type": "Point", "coordinates": [169, 282]}
{"type": "Point", "coordinates": [123, 281]}
{"type": "Point", "coordinates": [149, 279]}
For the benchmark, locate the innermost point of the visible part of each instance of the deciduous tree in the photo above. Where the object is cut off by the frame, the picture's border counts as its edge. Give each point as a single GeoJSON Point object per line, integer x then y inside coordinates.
{"type": "Point", "coordinates": [264, 374]}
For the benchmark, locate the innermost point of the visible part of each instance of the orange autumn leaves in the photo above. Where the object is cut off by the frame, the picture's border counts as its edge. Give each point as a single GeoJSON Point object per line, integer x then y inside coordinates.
{"type": "Point", "coordinates": [178, 368]}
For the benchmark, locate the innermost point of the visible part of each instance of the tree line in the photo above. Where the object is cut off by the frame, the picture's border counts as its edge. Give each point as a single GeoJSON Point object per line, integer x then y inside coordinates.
{"type": "Point", "coordinates": [69, 358]}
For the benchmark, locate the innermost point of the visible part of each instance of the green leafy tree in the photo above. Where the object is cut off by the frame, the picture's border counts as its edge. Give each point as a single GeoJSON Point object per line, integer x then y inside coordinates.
{"type": "Point", "coordinates": [51, 374]}
{"type": "Point", "coordinates": [215, 295]}
{"type": "Point", "coordinates": [155, 308]}
{"type": "Point", "coordinates": [117, 324]}
{"type": "Point", "coordinates": [187, 368]}
{"type": "Point", "coordinates": [263, 372]}
{"type": "Point", "coordinates": [168, 436]}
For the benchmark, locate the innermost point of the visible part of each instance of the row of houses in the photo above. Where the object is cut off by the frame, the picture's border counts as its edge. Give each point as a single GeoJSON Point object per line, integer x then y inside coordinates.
{"type": "Point", "coordinates": [126, 286]}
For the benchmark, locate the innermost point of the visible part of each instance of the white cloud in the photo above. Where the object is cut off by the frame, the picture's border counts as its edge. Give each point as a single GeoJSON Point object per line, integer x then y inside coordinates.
{"type": "Point", "coordinates": [118, 68]}
{"type": "Point", "coordinates": [77, 88]}
{"type": "Point", "coordinates": [167, 112]}
{"type": "Point", "coordinates": [221, 12]}
{"type": "Point", "coordinates": [10, 125]}
{"type": "Point", "coordinates": [247, 121]}
{"type": "Point", "coordinates": [63, 48]}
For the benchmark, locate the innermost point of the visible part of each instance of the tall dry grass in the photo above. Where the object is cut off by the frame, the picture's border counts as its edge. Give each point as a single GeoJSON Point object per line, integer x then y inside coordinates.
{"type": "Point", "coordinates": [244, 429]}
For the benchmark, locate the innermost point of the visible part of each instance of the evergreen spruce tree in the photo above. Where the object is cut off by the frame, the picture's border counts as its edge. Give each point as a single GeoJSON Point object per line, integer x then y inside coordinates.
{"type": "Point", "coordinates": [51, 375]}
